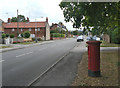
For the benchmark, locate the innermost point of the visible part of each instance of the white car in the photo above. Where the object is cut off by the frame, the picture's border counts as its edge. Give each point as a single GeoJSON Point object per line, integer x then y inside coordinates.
{"type": "Point", "coordinates": [80, 38]}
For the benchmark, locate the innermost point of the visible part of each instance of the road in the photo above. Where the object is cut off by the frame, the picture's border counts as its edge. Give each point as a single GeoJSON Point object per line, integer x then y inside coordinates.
{"type": "Point", "coordinates": [20, 67]}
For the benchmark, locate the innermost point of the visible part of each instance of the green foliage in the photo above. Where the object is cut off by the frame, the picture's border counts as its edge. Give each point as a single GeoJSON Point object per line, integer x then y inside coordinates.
{"type": "Point", "coordinates": [75, 32]}
{"type": "Point", "coordinates": [26, 34]}
{"type": "Point", "coordinates": [22, 35]}
{"type": "Point", "coordinates": [21, 18]}
{"type": "Point", "coordinates": [116, 35]}
{"type": "Point", "coordinates": [101, 16]}
{"type": "Point", "coordinates": [14, 19]}
{"type": "Point", "coordinates": [11, 35]}
{"type": "Point", "coordinates": [33, 39]}
{"type": "Point", "coordinates": [57, 35]}
{"type": "Point", "coordinates": [7, 35]}
{"type": "Point", "coordinates": [39, 39]}
{"type": "Point", "coordinates": [3, 35]}
{"type": "Point", "coordinates": [57, 30]}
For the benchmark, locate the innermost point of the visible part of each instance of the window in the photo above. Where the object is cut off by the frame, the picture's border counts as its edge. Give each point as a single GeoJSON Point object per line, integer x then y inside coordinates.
{"type": "Point", "coordinates": [29, 29]}
{"type": "Point", "coordinates": [35, 29]}
{"type": "Point", "coordinates": [38, 29]}
{"type": "Point", "coordinates": [21, 29]}
{"type": "Point", "coordinates": [13, 29]}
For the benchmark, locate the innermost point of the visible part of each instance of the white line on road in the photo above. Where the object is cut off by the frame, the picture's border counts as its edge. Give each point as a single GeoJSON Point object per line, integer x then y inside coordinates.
{"type": "Point", "coordinates": [24, 54]}
{"type": "Point", "coordinates": [2, 60]}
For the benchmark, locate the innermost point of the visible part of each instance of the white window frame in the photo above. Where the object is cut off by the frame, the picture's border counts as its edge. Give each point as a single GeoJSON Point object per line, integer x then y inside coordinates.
{"type": "Point", "coordinates": [38, 29]}
{"type": "Point", "coordinates": [13, 29]}
{"type": "Point", "coordinates": [29, 29]}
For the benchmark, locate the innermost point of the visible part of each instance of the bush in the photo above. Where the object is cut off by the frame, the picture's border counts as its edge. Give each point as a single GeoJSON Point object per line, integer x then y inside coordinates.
{"type": "Point", "coordinates": [33, 39]}
{"type": "Point", "coordinates": [57, 35]}
{"type": "Point", "coordinates": [26, 34]}
{"type": "Point", "coordinates": [63, 35]}
{"type": "Point", "coordinates": [22, 35]}
{"type": "Point", "coordinates": [3, 35]}
{"type": "Point", "coordinates": [39, 39]}
{"type": "Point", "coordinates": [11, 35]}
{"type": "Point", "coordinates": [7, 35]}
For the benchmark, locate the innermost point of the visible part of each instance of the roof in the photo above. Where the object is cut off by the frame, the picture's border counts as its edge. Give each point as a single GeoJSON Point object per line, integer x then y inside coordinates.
{"type": "Point", "coordinates": [25, 24]}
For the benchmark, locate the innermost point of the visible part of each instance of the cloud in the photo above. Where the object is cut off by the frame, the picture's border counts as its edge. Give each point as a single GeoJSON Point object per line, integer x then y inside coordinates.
{"type": "Point", "coordinates": [33, 9]}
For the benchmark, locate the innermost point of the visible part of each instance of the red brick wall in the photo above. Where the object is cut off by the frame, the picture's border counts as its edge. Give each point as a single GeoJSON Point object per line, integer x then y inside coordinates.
{"type": "Point", "coordinates": [38, 33]}
{"type": "Point", "coordinates": [54, 27]}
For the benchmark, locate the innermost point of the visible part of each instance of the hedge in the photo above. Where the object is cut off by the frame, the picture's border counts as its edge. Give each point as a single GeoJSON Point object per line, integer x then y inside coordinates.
{"type": "Point", "coordinates": [57, 35]}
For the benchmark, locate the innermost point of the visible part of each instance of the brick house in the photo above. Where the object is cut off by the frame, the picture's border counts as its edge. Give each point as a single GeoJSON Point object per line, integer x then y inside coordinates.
{"type": "Point", "coordinates": [59, 25]}
{"type": "Point", "coordinates": [53, 26]}
{"type": "Point", "coordinates": [37, 29]}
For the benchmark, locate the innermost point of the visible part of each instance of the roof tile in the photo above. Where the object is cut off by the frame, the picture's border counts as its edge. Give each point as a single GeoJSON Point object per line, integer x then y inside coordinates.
{"type": "Point", "coordinates": [24, 24]}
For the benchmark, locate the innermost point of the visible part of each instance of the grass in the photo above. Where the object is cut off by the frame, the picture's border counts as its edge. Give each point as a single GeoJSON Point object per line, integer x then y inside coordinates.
{"type": "Point", "coordinates": [106, 44]}
{"type": "Point", "coordinates": [109, 71]}
{"type": "Point", "coordinates": [26, 43]}
{"type": "Point", "coordinates": [4, 47]}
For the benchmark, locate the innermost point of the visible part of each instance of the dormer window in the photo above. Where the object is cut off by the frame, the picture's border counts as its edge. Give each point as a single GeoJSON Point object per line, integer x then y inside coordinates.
{"type": "Point", "coordinates": [29, 29]}
{"type": "Point", "coordinates": [13, 29]}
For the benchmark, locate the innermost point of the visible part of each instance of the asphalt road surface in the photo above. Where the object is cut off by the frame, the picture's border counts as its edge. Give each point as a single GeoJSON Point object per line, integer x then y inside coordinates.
{"type": "Point", "coordinates": [20, 67]}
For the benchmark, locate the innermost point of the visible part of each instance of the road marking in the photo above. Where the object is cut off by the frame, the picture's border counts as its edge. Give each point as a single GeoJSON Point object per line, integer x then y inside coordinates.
{"type": "Point", "coordinates": [2, 60]}
{"type": "Point", "coordinates": [24, 54]}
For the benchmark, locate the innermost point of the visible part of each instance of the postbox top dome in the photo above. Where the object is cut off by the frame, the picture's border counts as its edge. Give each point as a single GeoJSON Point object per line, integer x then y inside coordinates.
{"type": "Point", "coordinates": [93, 42]}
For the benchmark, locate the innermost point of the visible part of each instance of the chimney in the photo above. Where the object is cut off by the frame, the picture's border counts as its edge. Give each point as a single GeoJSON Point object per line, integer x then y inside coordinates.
{"type": "Point", "coordinates": [28, 19]}
{"type": "Point", "coordinates": [47, 19]}
{"type": "Point", "coordinates": [9, 20]}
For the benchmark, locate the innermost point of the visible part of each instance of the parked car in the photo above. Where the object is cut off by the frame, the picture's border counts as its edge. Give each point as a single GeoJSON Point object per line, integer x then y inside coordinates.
{"type": "Point", "coordinates": [80, 38]}
{"type": "Point", "coordinates": [96, 38]}
{"type": "Point", "coordinates": [89, 38]}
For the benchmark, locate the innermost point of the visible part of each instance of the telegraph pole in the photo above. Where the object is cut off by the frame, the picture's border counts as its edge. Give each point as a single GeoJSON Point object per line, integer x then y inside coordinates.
{"type": "Point", "coordinates": [17, 25]}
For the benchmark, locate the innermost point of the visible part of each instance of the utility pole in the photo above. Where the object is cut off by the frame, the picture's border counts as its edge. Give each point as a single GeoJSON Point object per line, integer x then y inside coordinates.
{"type": "Point", "coordinates": [35, 32]}
{"type": "Point", "coordinates": [17, 25]}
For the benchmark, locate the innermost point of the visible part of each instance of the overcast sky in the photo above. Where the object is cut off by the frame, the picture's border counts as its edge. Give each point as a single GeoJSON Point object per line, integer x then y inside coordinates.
{"type": "Point", "coordinates": [33, 9]}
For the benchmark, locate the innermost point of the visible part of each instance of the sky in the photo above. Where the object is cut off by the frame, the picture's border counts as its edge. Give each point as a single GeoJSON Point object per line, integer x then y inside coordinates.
{"type": "Point", "coordinates": [34, 9]}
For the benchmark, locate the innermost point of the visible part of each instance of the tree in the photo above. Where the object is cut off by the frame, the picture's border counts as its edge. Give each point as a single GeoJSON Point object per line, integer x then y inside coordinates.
{"type": "Point", "coordinates": [102, 16]}
{"type": "Point", "coordinates": [22, 35]}
{"type": "Point", "coordinates": [21, 18]}
{"type": "Point", "coordinates": [14, 19]}
{"type": "Point", "coordinates": [3, 35]}
{"type": "Point", "coordinates": [7, 35]}
{"type": "Point", "coordinates": [26, 34]}
{"type": "Point", "coordinates": [75, 32]}
{"type": "Point", "coordinates": [11, 35]}
{"type": "Point", "coordinates": [115, 36]}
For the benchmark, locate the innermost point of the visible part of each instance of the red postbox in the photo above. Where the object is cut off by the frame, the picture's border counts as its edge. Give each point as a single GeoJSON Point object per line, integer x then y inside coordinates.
{"type": "Point", "coordinates": [94, 58]}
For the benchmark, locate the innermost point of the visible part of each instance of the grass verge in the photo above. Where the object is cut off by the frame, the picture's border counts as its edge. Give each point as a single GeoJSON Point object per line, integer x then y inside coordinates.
{"type": "Point", "coordinates": [106, 44]}
{"type": "Point", "coordinates": [109, 71]}
{"type": "Point", "coordinates": [4, 47]}
{"type": "Point", "coordinates": [26, 43]}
